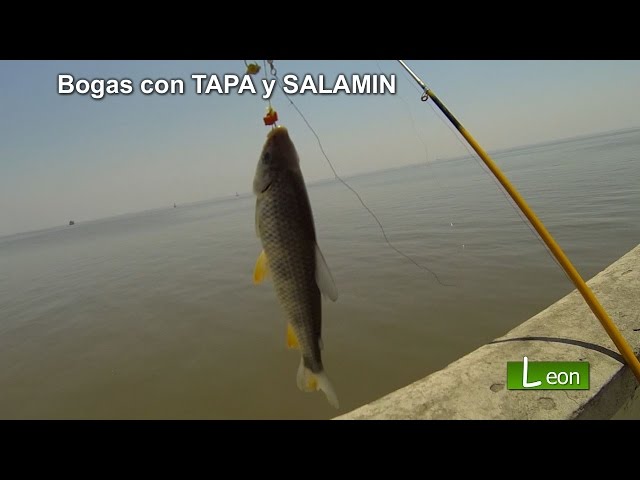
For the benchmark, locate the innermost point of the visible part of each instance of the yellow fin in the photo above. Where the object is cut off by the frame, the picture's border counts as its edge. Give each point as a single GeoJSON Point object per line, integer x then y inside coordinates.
{"type": "Point", "coordinates": [292, 340]}
{"type": "Point", "coordinates": [312, 383]}
{"type": "Point", "coordinates": [261, 269]}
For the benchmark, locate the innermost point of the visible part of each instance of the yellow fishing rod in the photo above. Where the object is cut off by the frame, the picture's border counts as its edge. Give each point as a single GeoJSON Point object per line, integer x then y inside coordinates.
{"type": "Point", "coordinates": [589, 297]}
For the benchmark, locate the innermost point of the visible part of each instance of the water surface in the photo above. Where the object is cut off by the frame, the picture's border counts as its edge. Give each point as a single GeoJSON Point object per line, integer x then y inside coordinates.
{"type": "Point", "coordinates": [154, 315]}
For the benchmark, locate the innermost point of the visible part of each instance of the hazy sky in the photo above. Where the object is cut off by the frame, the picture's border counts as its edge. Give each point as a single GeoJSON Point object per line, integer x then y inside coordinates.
{"type": "Point", "coordinates": [71, 157]}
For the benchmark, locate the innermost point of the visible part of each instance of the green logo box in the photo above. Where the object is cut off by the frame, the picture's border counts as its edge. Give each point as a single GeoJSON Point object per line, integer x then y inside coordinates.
{"type": "Point", "coordinates": [547, 375]}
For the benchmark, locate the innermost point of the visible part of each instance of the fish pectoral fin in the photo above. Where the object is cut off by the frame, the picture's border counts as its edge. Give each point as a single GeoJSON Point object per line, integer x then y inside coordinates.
{"type": "Point", "coordinates": [324, 279]}
{"type": "Point", "coordinates": [261, 270]}
{"type": "Point", "coordinates": [292, 340]}
{"type": "Point", "coordinates": [311, 382]}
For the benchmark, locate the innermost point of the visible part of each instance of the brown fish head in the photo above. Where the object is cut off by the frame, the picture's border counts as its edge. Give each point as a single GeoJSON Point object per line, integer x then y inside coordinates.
{"type": "Point", "coordinates": [278, 154]}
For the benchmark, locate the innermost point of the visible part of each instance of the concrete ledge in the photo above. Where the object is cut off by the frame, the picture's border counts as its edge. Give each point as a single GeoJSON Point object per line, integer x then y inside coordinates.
{"type": "Point", "coordinates": [474, 387]}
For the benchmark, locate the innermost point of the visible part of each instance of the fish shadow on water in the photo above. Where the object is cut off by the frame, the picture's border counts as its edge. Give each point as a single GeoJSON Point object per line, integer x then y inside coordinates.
{"type": "Point", "coordinates": [568, 341]}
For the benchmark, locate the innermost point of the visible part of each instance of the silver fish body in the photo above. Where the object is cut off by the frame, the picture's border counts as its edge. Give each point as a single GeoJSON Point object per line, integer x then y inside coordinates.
{"type": "Point", "coordinates": [285, 226]}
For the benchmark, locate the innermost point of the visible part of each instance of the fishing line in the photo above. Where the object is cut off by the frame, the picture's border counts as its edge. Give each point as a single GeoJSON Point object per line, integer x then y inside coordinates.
{"type": "Point", "coordinates": [384, 233]}
{"type": "Point", "coordinates": [413, 123]}
{"type": "Point", "coordinates": [424, 144]}
{"type": "Point", "coordinates": [510, 201]}
{"type": "Point", "coordinates": [485, 169]}
{"type": "Point", "coordinates": [264, 62]}
{"type": "Point", "coordinates": [607, 323]}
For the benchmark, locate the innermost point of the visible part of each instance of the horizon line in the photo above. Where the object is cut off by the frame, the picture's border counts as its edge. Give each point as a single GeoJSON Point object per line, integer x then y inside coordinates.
{"type": "Point", "coordinates": [350, 176]}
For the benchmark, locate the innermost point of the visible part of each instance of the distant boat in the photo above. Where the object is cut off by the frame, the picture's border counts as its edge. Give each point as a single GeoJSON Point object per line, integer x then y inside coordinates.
{"type": "Point", "coordinates": [71, 222]}
{"type": "Point", "coordinates": [174, 205]}
{"type": "Point", "coordinates": [237, 194]}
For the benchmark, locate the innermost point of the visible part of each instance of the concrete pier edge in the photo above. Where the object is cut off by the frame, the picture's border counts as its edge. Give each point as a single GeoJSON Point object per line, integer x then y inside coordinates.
{"type": "Point", "coordinates": [474, 386]}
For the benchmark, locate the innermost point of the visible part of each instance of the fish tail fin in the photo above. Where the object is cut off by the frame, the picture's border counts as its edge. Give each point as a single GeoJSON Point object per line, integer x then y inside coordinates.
{"type": "Point", "coordinates": [310, 382]}
{"type": "Point", "coordinates": [325, 385]}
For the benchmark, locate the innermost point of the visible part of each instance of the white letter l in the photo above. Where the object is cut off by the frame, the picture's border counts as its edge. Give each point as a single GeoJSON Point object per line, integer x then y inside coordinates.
{"type": "Point", "coordinates": [526, 384]}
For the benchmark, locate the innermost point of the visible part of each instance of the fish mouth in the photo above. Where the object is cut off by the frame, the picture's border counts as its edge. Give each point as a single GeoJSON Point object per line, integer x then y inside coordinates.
{"type": "Point", "coordinates": [278, 138]}
{"type": "Point", "coordinates": [277, 132]}
{"type": "Point", "coordinates": [279, 144]}
{"type": "Point", "coordinates": [267, 187]}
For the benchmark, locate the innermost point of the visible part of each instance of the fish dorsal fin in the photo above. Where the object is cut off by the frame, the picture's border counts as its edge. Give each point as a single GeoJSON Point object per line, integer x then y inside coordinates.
{"type": "Point", "coordinates": [323, 277]}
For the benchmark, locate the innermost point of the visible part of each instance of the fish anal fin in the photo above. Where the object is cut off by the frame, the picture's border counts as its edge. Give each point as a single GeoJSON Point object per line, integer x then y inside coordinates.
{"type": "Point", "coordinates": [292, 340]}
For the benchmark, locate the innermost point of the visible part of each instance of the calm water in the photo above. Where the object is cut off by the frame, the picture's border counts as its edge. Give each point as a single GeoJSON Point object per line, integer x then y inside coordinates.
{"type": "Point", "coordinates": [154, 315]}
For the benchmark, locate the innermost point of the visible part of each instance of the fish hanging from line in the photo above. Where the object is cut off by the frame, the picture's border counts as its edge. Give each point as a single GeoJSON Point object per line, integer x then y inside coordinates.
{"type": "Point", "coordinates": [285, 226]}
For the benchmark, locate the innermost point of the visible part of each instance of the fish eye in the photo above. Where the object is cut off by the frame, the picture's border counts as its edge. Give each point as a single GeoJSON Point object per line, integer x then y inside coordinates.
{"type": "Point", "coordinates": [266, 158]}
